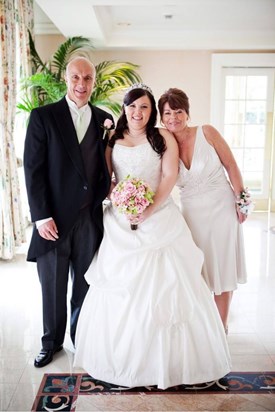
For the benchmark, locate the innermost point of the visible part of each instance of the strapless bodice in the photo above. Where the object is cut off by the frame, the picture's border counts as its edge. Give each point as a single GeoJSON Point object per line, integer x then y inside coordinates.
{"type": "Point", "coordinates": [139, 161]}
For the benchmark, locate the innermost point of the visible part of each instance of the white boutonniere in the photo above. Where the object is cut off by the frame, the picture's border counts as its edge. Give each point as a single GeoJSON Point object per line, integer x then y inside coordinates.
{"type": "Point", "coordinates": [107, 125]}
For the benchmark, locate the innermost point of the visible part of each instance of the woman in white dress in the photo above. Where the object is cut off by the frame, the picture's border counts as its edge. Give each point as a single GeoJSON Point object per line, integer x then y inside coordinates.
{"type": "Point", "coordinates": [148, 317]}
{"type": "Point", "coordinates": [208, 199]}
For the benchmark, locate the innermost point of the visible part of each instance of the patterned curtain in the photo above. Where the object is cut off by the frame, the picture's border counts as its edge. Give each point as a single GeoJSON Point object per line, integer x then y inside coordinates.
{"type": "Point", "coordinates": [16, 17]}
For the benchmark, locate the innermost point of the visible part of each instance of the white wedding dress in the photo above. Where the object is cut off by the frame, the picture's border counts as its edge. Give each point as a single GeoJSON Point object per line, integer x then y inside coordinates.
{"type": "Point", "coordinates": [148, 317]}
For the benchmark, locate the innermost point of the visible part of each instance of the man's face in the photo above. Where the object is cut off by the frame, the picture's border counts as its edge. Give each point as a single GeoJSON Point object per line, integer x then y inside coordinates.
{"type": "Point", "coordinates": [80, 78]}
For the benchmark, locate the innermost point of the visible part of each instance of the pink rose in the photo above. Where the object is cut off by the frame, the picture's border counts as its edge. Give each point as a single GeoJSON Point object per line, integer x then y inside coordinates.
{"type": "Point", "coordinates": [107, 124]}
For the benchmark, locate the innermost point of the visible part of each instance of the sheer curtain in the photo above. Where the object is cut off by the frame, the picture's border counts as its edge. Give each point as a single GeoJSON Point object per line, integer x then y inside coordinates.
{"type": "Point", "coordinates": [16, 17]}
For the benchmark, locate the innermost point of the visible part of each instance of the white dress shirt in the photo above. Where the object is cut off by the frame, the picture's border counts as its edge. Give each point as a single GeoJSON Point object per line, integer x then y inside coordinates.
{"type": "Point", "coordinates": [84, 111]}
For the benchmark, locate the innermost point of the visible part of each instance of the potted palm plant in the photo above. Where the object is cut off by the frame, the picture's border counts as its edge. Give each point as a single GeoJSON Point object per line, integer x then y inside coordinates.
{"type": "Point", "coordinates": [47, 84]}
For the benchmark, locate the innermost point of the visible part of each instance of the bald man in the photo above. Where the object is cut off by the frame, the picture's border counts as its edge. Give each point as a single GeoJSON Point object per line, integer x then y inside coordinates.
{"type": "Point", "coordinates": [67, 179]}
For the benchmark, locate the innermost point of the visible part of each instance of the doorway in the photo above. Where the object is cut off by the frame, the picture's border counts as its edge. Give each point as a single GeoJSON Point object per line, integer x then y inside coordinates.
{"type": "Point", "coordinates": [243, 111]}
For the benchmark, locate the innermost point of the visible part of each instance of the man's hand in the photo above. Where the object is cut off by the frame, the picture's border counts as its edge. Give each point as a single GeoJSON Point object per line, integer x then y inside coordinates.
{"type": "Point", "coordinates": [48, 230]}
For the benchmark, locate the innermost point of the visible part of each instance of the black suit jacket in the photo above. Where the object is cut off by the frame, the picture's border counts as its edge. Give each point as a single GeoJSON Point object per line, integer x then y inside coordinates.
{"type": "Point", "coordinates": [54, 171]}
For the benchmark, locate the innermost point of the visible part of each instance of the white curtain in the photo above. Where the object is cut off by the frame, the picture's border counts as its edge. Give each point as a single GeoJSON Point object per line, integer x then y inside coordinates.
{"type": "Point", "coordinates": [16, 18]}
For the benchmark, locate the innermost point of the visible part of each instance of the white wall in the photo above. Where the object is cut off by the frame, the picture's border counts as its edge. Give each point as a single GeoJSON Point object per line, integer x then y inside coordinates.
{"type": "Point", "coordinates": [187, 70]}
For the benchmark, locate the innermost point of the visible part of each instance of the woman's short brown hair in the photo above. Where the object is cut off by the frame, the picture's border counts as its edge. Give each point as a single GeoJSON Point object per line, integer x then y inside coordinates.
{"type": "Point", "coordinates": [176, 99]}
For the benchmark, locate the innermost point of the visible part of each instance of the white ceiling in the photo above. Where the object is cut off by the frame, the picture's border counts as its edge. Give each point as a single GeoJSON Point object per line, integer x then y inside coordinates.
{"type": "Point", "coordinates": [162, 25]}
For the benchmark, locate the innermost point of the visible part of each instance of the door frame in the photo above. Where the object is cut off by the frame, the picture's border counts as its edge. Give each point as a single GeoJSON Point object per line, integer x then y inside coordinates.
{"type": "Point", "coordinates": [221, 61]}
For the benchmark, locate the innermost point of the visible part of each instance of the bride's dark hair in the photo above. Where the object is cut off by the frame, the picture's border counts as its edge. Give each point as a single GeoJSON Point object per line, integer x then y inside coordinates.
{"type": "Point", "coordinates": [153, 135]}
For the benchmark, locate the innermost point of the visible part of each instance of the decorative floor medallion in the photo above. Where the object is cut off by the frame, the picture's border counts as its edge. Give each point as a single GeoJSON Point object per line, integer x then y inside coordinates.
{"type": "Point", "coordinates": [59, 391]}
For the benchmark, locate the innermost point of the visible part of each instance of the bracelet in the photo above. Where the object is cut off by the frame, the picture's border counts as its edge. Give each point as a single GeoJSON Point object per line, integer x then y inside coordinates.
{"type": "Point", "coordinates": [244, 202]}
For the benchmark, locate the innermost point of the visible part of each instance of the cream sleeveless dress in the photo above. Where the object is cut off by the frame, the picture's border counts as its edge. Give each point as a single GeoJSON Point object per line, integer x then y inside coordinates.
{"type": "Point", "coordinates": [149, 317]}
{"type": "Point", "coordinates": [208, 206]}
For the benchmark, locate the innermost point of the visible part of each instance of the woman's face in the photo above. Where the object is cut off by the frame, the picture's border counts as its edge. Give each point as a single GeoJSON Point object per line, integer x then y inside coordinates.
{"type": "Point", "coordinates": [138, 113]}
{"type": "Point", "coordinates": [174, 120]}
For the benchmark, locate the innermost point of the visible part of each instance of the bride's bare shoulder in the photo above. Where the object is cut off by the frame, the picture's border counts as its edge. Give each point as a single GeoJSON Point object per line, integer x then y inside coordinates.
{"type": "Point", "coordinates": [168, 137]}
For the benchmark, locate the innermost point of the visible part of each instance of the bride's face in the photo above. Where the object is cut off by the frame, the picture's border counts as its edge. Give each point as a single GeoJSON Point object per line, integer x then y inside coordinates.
{"type": "Point", "coordinates": [138, 113]}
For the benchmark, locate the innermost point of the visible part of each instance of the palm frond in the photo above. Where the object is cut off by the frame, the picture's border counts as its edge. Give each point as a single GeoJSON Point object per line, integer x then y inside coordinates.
{"type": "Point", "coordinates": [36, 60]}
{"type": "Point", "coordinates": [113, 106]}
{"type": "Point", "coordinates": [28, 102]}
{"type": "Point", "coordinates": [123, 73]}
{"type": "Point", "coordinates": [43, 88]}
{"type": "Point", "coordinates": [113, 77]}
{"type": "Point", "coordinates": [66, 50]}
{"type": "Point", "coordinates": [47, 85]}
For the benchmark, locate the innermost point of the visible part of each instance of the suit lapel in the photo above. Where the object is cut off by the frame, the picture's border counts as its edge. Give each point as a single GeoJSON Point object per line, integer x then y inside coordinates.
{"type": "Point", "coordinates": [105, 182]}
{"type": "Point", "coordinates": [67, 132]}
{"type": "Point", "coordinates": [99, 131]}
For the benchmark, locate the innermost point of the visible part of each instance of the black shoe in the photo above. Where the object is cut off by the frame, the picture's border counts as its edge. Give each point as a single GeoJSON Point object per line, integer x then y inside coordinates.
{"type": "Point", "coordinates": [46, 356]}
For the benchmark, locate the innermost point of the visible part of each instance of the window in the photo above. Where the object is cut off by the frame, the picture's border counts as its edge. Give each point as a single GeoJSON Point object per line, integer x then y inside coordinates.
{"type": "Point", "coordinates": [243, 112]}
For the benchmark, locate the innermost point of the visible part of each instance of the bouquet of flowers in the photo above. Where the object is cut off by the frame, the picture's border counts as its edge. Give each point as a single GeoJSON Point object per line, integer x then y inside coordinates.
{"type": "Point", "coordinates": [244, 202]}
{"type": "Point", "coordinates": [131, 196]}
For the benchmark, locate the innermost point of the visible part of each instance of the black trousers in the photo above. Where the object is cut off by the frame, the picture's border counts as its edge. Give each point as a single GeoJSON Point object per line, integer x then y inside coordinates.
{"type": "Point", "coordinates": [73, 255]}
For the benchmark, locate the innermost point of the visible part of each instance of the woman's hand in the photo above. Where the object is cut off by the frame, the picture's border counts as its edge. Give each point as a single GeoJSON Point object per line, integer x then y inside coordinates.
{"type": "Point", "coordinates": [146, 214]}
{"type": "Point", "coordinates": [113, 184]}
{"type": "Point", "coordinates": [241, 216]}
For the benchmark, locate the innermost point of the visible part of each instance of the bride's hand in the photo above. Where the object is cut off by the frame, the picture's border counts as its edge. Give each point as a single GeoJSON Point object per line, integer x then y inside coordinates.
{"type": "Point", "coordinates": [146, 214]}
{"type": "Point", "coordinates": [113, 184]}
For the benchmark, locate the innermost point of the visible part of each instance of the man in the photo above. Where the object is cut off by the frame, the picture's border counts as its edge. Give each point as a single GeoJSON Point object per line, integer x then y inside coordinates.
{"type": "Point", "coordinates": [67, 179]}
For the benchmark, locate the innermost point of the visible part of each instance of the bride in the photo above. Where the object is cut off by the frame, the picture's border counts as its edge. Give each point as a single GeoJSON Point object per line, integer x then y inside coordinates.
{"type": "Point", "coordinates": [148, 317]}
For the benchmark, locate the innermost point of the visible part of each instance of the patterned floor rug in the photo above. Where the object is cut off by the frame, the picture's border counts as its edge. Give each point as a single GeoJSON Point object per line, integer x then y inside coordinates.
{"type": "Point", "coordinates": [60, 391]}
